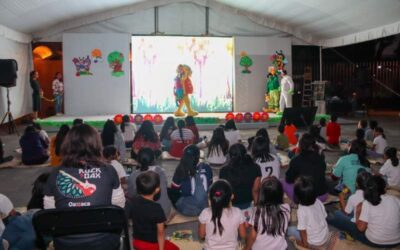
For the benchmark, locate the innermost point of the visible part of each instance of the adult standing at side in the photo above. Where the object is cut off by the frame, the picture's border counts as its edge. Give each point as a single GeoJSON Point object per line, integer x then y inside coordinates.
{"type": "Point", "coordinates": [287, 89]}
{"type": "Point", "coordinates": [58, 92]}
{"type": "Point", "coordinates": [36, 92]}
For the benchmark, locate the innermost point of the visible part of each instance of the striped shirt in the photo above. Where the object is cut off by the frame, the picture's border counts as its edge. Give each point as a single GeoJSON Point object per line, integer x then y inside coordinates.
{"type": "Point", "coordinates": [186, 133]}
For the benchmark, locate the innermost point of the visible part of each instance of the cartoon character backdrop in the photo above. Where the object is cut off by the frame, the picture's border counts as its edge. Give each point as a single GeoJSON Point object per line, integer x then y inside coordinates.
{"type": "Point", "coordinates": [154, 65]}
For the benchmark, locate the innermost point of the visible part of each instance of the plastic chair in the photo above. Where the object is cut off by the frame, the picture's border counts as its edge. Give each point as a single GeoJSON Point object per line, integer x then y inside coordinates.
{"type": "Point", "coordinates": [70, 221]}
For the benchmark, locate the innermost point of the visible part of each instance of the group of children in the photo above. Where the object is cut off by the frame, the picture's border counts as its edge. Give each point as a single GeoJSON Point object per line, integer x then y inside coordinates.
{"type": "Point", "coordinates": [249, 178]}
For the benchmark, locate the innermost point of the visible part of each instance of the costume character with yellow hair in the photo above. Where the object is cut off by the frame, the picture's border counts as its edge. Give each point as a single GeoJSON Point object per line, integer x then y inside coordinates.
{"type": "Point", "coordinates": [182, 89]}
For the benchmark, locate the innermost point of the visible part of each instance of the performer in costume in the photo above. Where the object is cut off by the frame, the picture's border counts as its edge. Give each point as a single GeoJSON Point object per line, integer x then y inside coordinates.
{"type": "Point", "coordinates": [182, 89]}
{"type": "Point", "coordinates": [287, 89]}
{"type": "Point", "coordinates": [272, 90]}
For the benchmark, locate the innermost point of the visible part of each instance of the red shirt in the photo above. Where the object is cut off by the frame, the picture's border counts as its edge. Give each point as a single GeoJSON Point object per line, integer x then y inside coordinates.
{"type": "Point", "coordinates": [141, 143]}
{"type": "Point", "coordinates": [333, 133]}
{"type": "Point", "coordinates": [290, 132]}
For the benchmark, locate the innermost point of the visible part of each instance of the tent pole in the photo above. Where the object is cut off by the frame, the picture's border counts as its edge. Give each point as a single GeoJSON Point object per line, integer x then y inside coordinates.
{"type": "Point", "coordinates": [320, 63]}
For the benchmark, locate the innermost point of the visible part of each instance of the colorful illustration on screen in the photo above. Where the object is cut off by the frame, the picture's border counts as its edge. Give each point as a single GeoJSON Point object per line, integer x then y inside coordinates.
{"type": "Point", "coordinates": [154, 63]}
{"type": "Point", "coordinates": [97, 55]}
{"type": "Point", "coordinates": [246, 62]}
{"type": "Point", "coordinates": [115, 60]}
{"type": "Point", "coordinates": [82, 66]}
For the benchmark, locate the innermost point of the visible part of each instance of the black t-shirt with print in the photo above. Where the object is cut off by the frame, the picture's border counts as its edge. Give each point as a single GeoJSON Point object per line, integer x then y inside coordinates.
{"type": "Point", "coordinates": [145, 215]}
{"type": "Point", "coordinates": [82, 187]}
{"type": "Point", "coordinates": [74, 187]}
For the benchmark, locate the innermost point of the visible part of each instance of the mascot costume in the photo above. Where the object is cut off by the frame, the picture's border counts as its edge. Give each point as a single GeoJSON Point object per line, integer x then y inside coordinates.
{"type": "Point", "coordinates": [287, 89]}
{"type": "Point", "coordinates": [182, 89]}
{"type": "Point", "coordinates": [272, 90]}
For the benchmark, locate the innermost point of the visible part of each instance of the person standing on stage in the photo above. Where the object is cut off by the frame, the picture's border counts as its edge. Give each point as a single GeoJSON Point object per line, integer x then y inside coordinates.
{"type": "Point", "coordinates": [58, 92]}
{"type": "Point", "coordinates": [287, 89]}
{"type": "Point", "coordinates": [37, 92]}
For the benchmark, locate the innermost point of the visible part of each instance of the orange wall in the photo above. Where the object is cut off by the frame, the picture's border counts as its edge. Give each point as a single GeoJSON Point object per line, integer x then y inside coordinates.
{"type": "Point", "coordinates": [47, 70]}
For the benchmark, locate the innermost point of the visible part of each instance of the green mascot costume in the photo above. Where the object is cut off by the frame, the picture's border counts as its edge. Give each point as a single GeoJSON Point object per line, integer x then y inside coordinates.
{"type": "Point", "coordinates": [273, 90]}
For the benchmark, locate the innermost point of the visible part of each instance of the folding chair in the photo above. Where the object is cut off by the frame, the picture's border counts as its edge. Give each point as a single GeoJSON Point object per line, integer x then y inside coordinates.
{"type": "Point", "coordinates": [72, 221]}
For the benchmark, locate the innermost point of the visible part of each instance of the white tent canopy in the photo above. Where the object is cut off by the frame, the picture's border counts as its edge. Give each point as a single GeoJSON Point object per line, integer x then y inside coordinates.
{"type": "Point", "coordinates": [318, 22]}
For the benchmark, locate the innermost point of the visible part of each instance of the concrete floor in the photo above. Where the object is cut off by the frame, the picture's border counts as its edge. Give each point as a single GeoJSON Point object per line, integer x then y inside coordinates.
{"type": "Point", "coordinates": [17, 183]}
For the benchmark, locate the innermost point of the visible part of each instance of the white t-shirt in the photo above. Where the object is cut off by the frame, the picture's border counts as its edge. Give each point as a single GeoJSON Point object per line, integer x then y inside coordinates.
{"type": "Point", "coordinates": [215, 158]}
{"type": "Point", "coordinates": [266, 241]}
{"type": "Point", "coordinates": [119, 168]}
{"type": "Point", "coordinates": [392, 173]}
{"type": "Point", "coordinates": [233, 136]}
{"type": "Point", "coordinates": [353, 201]}
{"type": "Point", "coordinates": [380, 144]}
{"type": "Point", "coordinates": [130, 130]}
{"type": "Point", "coordinates": [187, 135]}
{"type": "Point", "coordinates": [383, 220]}
{"type": "Point", "coordinates": [43, 134]}
{"type": "Point", "coordinates": [313, 219]}
{"type": "Point", "coordinates": [231, 219]}
{"type": "Point", "coordinates": [270, 167]}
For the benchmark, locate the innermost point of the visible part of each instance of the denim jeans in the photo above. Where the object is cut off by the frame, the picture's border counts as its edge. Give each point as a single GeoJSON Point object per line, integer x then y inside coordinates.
{"type": "Point", "coordinates": [58, 99]}
{"type": "Point", "coordinates": [343, 222]}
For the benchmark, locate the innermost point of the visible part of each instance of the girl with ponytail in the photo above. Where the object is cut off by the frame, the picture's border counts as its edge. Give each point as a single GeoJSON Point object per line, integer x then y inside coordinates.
{"type": "Point", "coordinates": [378, 222]}
{"type": "Point", "coordinates": [243, 174]}
{"type": "Point", "coordinates": [146, 162]}
{"type": "Point", "coordinates": [220, 223]}
{"type": "Point", "coordinates": [391, 169]}
{"type": "Point", "coordinates": [270, 219]}
{"type": "Point", "coordinates": [180, 138]}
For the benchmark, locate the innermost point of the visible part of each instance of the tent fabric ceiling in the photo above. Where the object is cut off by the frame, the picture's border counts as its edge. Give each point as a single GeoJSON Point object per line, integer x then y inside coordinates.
{"type": "Point", "coordinates": [319, 22]}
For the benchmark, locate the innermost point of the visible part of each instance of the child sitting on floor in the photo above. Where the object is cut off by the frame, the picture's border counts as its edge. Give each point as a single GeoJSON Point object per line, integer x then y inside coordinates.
{"type": "Point", "coordinates": [290, 131]}
{"type": "Point", "coordinates": [217, 148]}
{"type": "Point", "coordinates": [270, 220]}
{"type": "Point", "coordinates": [333, 131]}
{"type": "Point", "coordinates": [110, 153]}
{"type": "Point", "coordinates": [343, 217]}
{"type": "Point", "coordinates": [282, 141]}
{"type": "Point", "coordinates": [312, 228]}
{"type": "Point", "coordinates": [379, 144]}
{"type": "Point", "coordinates": [220, 223]}
{"type": "Point", "coordinates": [147, 216]}
{"type": "Point", "coordinates": [391, 168]}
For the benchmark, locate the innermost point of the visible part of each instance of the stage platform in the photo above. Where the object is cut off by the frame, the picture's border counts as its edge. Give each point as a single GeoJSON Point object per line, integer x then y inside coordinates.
{"type": "Point", "coordinates": [205, 121]}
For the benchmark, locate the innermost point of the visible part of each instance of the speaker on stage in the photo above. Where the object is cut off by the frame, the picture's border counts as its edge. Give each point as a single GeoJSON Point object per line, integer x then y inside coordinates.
{"type": "Point", "coordinates": [300, 117]}
{"type": "Point", "coordinates": [8, 73]}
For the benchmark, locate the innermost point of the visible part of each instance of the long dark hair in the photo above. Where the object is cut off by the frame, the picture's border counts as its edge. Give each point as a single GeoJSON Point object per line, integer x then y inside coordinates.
{"type": "Point", "coordinates": [181, 126]}
{"type": "Point", "coordinates": [391, 153]}
{"type": "Point", "coordinates": [375, 187]}
{"type": "Point", "coordinates": [168, 124]}
{"type": "Point", "coordinates": [274, 218]}
{"type": "Point", "coordinates": [230, 125]}
{"type": "Point", "coordinates": [220, 197]}
{"type": "Point", "coordinates": [125, 119]}
{"type": "Point", "coordinates": [60, 138]}
{"type": "Point", "coordinates": [188, 164]}
{"type": "Point", "coordinates": [36, 201]}
{"type": "Point", "coordinates": [380, 130]}
{"type": "Point", "coordinates": [238, 164]}
{"type": "Point", "coordinates": [145, 158]}
{"type": "Point", "coordinates": [146, 131]}
{"type": "Point", "coordinates": [218, 142]}
{"type": "Point", "coordinates": [360, 149]}
{"type": "Point", "coordinates": [260, 150]}
{"type": "Point", "coordinates": [314, 130]}
{"type": "Point", "coordinates": [108, 133]}
{"type": "Point", "coordinates": [32, 74]}
{"type": "Point", "coordinates": [82, 145]}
